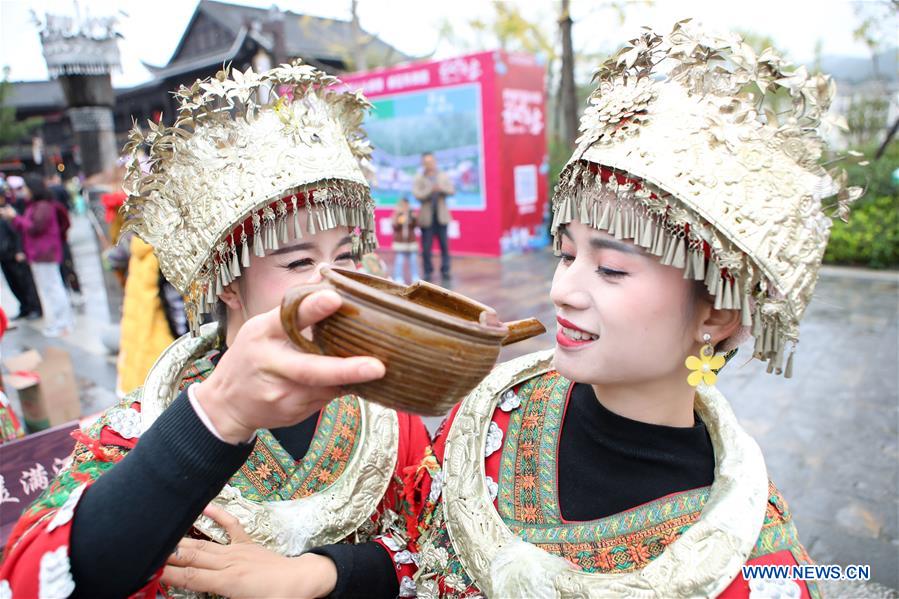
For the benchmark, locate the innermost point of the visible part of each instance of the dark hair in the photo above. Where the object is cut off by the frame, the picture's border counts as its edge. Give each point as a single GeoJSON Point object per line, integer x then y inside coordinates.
{"type": "Point", "coordinates": [426, 154]}
{"type": "Point", "coordinates": [37, 187]}
{"type": "Point", "coordinates": [700, 293]}
{"type": "Point", "coordinates": [220, 315]}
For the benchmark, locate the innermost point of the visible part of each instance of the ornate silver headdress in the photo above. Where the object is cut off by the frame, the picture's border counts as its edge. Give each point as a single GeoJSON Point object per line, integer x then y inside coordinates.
{"type": "Point", "coordinates": [246, 154]}
{"type": "Point", "coordinates": [698, 166]}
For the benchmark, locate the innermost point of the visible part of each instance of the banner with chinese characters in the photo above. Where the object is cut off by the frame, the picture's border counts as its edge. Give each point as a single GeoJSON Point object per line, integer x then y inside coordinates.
{"type": "Point", "coordinates": [483, 116]}
{"type": "Point", "coordinates": [26, 468]}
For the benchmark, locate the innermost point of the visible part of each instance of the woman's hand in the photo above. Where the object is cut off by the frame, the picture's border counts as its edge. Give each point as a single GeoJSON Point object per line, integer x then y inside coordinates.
{"type": "Point", "coordinates": [245, 569]}
{"type": "Point", "coordinates": [263, 381]}
{"type": "Point", "coordinates": [7, 212]}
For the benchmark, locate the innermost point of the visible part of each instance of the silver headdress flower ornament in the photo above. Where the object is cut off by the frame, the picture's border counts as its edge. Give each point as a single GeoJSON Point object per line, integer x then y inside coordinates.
{"type": "Point", "coordinates": [246, 154]}
{"type": "Point", "coordinates": [698, 166]}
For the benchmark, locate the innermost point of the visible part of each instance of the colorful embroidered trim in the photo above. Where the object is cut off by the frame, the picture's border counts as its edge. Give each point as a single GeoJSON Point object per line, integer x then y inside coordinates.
{"type": "Point", "coordinates": [529, 504]}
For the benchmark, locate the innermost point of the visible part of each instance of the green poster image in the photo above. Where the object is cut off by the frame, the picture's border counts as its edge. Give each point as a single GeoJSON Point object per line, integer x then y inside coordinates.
{"type": "Point", "coordinates": [444, 121]}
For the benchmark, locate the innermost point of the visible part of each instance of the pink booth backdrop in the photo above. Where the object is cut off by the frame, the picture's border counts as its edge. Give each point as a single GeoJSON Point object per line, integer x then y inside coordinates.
{"type": "Point", "coordinates": [483, 116]}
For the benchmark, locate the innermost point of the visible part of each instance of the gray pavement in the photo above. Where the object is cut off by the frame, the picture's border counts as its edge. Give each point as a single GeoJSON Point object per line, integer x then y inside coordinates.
{"type": "Point", "coordinates": [94, 366]}
{"type": "Point", "coordinates": [829, 435]}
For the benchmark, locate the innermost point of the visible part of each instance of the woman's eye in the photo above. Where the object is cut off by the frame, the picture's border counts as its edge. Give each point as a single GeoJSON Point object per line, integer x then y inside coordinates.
{"type": "Point", "coordinates": [299, 264]}
{"type": "Point", "coordinates": [611, 273]}
{"type": "Point", "coordinates": [345, 257]}
{"type": "Point", "coordinates": [566, 258]}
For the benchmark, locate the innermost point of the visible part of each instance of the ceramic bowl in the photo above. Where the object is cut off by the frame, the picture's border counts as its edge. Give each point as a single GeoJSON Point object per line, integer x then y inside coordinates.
{"type": "Point", "coordinates": [436, 345]}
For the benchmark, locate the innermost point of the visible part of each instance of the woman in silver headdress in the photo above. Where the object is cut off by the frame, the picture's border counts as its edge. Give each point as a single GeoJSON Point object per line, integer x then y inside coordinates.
{"type": "Point", "coordinates": [257, 184]}
{"type": "Point", "coordinates": [689, 218]}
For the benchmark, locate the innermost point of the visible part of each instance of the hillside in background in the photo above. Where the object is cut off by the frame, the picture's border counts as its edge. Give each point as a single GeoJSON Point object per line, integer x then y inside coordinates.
{"type": "Point", "coordinates": [853, 69]}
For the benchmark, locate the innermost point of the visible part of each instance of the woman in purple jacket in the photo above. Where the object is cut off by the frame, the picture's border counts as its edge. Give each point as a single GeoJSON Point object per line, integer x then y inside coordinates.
{"type": "Point", "coordinates": [39, 227]}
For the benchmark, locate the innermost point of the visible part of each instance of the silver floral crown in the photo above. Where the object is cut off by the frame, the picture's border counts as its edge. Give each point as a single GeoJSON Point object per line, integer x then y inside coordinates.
{"type": "Point", "coordinates": [684, 150]}
{"type": "Point", "coordinates": [246, 154]}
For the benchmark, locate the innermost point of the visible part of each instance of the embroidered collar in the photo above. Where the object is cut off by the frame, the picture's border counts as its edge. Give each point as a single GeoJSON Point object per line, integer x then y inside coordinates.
{"type": "Point", "coordinates": [702, 562]}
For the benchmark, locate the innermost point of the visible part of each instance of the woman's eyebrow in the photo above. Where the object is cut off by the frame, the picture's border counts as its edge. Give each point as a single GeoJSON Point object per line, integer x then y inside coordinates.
{"type": "Point", "coordinates": [601, 243]}
{"type": "Point", "coordinates": [306, 245]}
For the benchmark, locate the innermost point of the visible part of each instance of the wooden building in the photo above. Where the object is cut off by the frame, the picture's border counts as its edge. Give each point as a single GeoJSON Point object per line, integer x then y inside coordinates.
{"type": "Point", "coordinates": [218, 33]}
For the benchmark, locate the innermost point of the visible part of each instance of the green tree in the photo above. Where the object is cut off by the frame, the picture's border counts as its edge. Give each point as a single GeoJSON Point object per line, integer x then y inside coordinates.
{"type": "Point", "coordinates": [878, 22]}
{"type": "Point", "coordinates": [12, 130]}
{"type": "Point", "coordinates": [871, 237]}
{"type": "Point", "coordinates": [866, 118]}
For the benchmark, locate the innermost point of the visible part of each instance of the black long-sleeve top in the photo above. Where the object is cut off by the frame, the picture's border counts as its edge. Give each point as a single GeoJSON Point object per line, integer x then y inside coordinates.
{"type": "Point", "coordinates": [130, 520]}
{"type": "Point", "coordinates": [607, 464]}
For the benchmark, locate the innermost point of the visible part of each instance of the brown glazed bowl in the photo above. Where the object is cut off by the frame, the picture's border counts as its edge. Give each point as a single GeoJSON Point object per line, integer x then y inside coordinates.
{"type": "Point", "coordinates": [437, 345]}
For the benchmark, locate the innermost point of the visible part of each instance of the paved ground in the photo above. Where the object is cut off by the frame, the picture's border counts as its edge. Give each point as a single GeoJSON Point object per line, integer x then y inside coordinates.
{"type": "Point", "coordinates": [94, 367]}
{"type": "Point", "coordinates": [829, 434]}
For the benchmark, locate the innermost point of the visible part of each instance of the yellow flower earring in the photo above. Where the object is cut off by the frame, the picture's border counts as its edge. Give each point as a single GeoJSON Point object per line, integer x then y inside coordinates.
{"type": "Point", "coordinates": [704, 366]}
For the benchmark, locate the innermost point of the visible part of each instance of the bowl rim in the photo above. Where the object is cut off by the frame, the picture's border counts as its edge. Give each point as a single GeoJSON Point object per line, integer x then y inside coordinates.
{"type": "Point", "coordinates": [345, 278]}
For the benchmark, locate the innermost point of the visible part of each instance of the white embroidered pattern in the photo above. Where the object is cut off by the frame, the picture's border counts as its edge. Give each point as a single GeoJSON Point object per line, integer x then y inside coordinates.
{"type": "Point", "coordinates": [509, 401]}
{"type": "Point", "coordinates": [494, 439]}
{"type": "Point", "coordinates": [125, 421]}
{"type": "Point", "coordinates": [55, 578]}
{"type": "Point", "coordinates": [407, 587]}
{"type": "Point", "coordinates": [405, 557]}
{"type": "Point", "coordinates": [492, 487]}
{"type": "Point", "coordinates": [65, 513]}
{"type": "Point", "coordinates": [436, 486]}
{"type": "Point", "coordinates": [391, 543]}
{"type": "Point", "coordinates": [769, 588]}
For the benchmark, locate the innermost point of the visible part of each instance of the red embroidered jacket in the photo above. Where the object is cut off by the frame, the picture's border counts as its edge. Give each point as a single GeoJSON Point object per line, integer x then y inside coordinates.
{"type": "Point", "coordinates": [36, 560]}
{"type": "Point", "coordinates": [609, 545]}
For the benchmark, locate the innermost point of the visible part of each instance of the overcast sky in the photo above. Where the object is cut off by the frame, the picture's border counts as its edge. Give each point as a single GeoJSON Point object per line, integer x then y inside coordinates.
{"type": "Point", "coordinates": [152, 28]}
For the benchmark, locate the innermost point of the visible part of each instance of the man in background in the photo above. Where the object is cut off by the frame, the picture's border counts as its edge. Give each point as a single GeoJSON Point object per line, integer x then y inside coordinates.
{"type": "Point", "coordinates": [431, 187]}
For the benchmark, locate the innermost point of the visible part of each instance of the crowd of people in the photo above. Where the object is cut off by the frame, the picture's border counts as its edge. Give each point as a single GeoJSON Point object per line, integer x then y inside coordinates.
{"type": "Point", "coordinates": [609, 465]}
{"type": "Point", "coordinates": [34, 251]}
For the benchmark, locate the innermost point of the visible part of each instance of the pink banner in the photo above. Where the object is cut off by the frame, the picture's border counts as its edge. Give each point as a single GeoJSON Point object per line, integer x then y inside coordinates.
{"type": "Point", "coordinates": [483, 118]}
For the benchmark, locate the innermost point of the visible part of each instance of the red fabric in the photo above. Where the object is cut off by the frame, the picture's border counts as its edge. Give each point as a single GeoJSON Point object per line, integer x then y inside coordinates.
{"type": "Point", "coordinates": [414, 446]}
{"type": "Point", "coordinates": [31, 540]}
{"type": "Point", "coordinates": [21, 565]}
{"type": "Point", "coordinates": [413, 443]}
{"type": "Point", "coordinates": [440, 439]}
{"type": "Point", "coordinates": [4, 323]}
{"type": "Point", "coordinates": [419, 483]}
{"type": "Point", "coordinates": [112, 202]}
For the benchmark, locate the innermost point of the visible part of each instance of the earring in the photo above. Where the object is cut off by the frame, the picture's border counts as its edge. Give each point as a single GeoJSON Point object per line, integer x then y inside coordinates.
{"type": "Point", "coordinates": [705, 365]}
